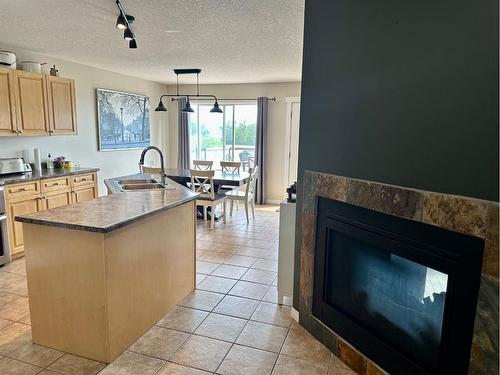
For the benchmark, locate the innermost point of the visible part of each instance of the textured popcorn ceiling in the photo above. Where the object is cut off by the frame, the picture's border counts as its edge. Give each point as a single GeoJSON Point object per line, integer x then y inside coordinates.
{"type": "Point", "coordinates": [233, 41]}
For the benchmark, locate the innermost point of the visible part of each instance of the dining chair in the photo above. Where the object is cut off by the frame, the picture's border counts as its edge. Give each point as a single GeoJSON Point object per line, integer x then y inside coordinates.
{"type": "Point", "coordinates": [203, 182]}
{"type": "Point", "coordinates": [231, 167]}
{"type": "Point", "coordinates": [203, 165]}
{"type": "Point", "coordinates": [246, 196]}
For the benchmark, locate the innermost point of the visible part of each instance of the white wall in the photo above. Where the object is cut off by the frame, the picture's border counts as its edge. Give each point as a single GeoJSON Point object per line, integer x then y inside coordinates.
{"type": "Point", "coordinates": [83, 147]}
{"type": "Point", "coordinates": [276, 124]}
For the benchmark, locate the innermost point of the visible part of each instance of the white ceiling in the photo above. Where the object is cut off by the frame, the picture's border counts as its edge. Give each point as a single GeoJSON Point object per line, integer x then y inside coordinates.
{"type": "Point", "coordinates": [232, 41]}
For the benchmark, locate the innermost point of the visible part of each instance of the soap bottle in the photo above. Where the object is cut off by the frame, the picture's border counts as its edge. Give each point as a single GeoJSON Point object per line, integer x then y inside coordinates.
{"type": "Point", "coordinates": [49, 163]}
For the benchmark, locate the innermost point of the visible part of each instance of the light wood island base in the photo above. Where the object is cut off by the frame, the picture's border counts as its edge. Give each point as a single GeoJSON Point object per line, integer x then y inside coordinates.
{"type": "Point", "coordinates": [93, 294]}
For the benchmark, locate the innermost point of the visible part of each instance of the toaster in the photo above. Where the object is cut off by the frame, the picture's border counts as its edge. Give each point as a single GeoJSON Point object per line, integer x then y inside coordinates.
{"type": "Point", "coordinates": [7, 59]}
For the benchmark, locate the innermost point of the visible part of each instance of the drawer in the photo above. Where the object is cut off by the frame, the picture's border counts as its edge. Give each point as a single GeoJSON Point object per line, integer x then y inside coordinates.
{"type": "Point", "coordinates": [83, 179]}
{"type": "Point", "coordinates": [56, 184]}
{"type": "Point", "coordinates": [21, 190]}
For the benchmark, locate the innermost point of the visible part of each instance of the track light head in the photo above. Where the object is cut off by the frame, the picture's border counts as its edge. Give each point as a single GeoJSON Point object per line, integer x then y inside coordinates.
{"type": "Point", "coordinates": [121, 23]}
{"type": "Point", "coordinates": [132, 44]}
{"type": "Point", "coordinates": [128, 34]}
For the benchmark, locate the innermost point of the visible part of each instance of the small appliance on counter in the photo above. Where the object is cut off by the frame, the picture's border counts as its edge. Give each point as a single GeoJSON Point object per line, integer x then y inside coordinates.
{"type": "Point", "coordinates": [32, 66]}
{"type": "Point", "coordinates": [13, 166]}
{"type": "Point", "coordinates": [292, 193]}
{"type": "Point", "coordinates": [7, 59]}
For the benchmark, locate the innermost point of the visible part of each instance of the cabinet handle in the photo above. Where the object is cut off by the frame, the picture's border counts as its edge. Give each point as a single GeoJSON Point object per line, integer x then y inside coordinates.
{"type": "Point", "coordinates": [20, 131]}
{"type": "Point", "coordinates": [54, 184]}
{"type": "Point", "coordinates": [51, 132]}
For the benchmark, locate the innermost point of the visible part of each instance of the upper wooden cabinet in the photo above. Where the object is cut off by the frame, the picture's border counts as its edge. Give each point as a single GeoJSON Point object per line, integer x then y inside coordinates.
{"type": "Point", "coordinates": [36, 104]}
{"type": "Point", "coordinates": [62, 107]}
{"type": "Point", "coordinates": [31, 101]}
{"type": "Point", "coordinates": [8, 124]}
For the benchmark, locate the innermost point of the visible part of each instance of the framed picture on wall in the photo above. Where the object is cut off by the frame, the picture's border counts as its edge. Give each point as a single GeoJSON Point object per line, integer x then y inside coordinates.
{"type": "Point", "coordinates": [122, 120]}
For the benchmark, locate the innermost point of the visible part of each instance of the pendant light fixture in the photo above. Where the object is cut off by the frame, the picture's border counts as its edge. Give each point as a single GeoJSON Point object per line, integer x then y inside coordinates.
{"type": "Point", "coordinates": [187, 108]}
{"type": "Point", "coordinates": [123, 22]}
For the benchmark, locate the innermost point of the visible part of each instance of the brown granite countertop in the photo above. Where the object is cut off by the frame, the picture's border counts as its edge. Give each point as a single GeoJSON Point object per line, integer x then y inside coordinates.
{"type": "Point", "coordinates": [44, 174]}
{"type": "Point", "coordinates": [113, 211]}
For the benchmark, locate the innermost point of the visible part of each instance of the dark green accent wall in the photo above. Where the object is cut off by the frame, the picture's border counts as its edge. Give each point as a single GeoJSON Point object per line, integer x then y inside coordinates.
{"type": "Point", "coordinates": [402, 92]}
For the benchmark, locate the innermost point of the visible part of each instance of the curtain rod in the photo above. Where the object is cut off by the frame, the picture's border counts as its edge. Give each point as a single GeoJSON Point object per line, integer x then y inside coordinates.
{"type": "Point", "coordinates": [195, 99]}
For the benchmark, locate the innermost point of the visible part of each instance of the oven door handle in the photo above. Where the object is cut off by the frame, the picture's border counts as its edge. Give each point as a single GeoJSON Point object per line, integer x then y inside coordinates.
{"type": "Point", "coordinates": [3, 217]}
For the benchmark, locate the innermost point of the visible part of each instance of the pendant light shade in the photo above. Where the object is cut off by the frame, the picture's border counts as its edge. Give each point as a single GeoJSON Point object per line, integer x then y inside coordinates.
{"type": "Point", "coordinates": [187, 108]}
{"type": "Point", "coordinates": [128, 34]}
{"type": "Point", "coordinates": [132, 44]}
{"type": "Point", "coordinates": [161, 107]}
{"type": "Point", "coordinates": [121, 23]}
{"type": "Point", "coordinates": [216, 108]}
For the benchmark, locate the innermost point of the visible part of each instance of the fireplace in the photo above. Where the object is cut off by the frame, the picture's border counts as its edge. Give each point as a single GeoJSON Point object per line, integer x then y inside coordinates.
{"type": "Point", "coordinates": [403, 292]}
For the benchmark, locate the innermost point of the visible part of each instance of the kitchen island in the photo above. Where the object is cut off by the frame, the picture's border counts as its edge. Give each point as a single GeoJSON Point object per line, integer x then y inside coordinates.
{"type": "Point", "coordinates": [102, 272]}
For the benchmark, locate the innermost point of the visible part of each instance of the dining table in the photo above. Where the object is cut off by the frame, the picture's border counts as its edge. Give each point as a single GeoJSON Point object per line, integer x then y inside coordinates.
{"type": "Point", "coordinates": [221, 178]}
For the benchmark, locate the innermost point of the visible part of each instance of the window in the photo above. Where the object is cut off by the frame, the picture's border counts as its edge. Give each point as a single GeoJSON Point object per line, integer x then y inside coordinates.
{"type": "Point", "coordinates": [228, 136]}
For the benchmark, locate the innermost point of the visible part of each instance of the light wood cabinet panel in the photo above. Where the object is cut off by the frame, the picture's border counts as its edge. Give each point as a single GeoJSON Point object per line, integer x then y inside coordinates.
{"type": "Point", "coordinates": [31, 101]}
{"type": "Point", "coordinates": [8, 124]}
{"type": "Point", "coordinates": [57, 200]}
{"type": "Point", "coordinates": [62, 106]}
{"type": "Point", "coordinates": [22, 190]}
{"type": "Point", "coordinates": [22, 207]}
{"type": "Point", "coordinates": [83, 194]}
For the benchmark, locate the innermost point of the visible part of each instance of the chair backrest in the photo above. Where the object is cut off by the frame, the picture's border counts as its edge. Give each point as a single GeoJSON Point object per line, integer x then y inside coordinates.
{"type": "Point", "coordinates": [151, 170]}
{"type": "Point", "coordinates": [250, 187]}
{"type": "Point", "coordinates": [230, 166]}
{"type": "Point", "coordinates": [203, 182]}
{"type": "Point", "coordinates": [203, 165]}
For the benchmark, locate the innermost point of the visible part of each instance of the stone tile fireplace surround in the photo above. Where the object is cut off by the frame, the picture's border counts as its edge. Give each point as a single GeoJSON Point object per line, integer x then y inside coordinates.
{"type": "Point", "coordinates": [461, 214]}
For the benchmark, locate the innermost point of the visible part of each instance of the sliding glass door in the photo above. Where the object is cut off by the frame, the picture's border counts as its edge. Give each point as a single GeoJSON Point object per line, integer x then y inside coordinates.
{"type": "Point", "coordinates": [228, 136]}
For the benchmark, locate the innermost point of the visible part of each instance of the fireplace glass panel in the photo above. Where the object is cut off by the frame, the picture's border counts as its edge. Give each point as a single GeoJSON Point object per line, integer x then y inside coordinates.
{"type": "Point", "coordinates": [398, 300]}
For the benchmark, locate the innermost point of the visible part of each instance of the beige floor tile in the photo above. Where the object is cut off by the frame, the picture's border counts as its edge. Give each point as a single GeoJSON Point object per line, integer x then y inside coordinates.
{"type": "Point", "coordinates": [13, 337]}
{"type": "Point", "coordinates": [300, 344]}
{"type": "Point", "coordinates": [241, 260]}
{"type": "Point", "coordinates": [273, 314]}
{"type": "Point", "coordinates": [221, 327]}
{"type": "Point", "coordinates": [337, 367]}
{"type": "Point", "coordinates": [271, 295]}
{"type": "Point", "coordinates": [249, 290]}
{"type": "Point", "coordinates": [10, 366]}
{"type": "Point", "coordinates": [17, 267]}
{"type": "Point", "coordinates": [70, 364]}
{"type": "Point", "coordinates": [48, 372]}
{"type": "Point", "coordinates": [266, 265]}
{"type": "Point", "coordinates": [16, 309]}
{"type": "Point", "coordinates": [262, 244]}
{"type": "Point", "coordinates": [14, 284]}
{"type": "Point", "coordinates": [247, 361]}
{"type": "Point", "coordinates": [36, 354]}
{"type": "Point", "coordinates": [183, 319]}
{"type": "Point", "coordinates": [216, 284]}
{"type": "Point", "coordinates": [205, 245]}
{"type": "Point", "coordinates": [7, 297]}
{"type": "Point", "coordinates": [200, 277]}
{"type": "Point", "coordinates": [159, 342]}
{"type": "Point", "coordinates": [262, 336]}
{"type": "Point", "coordinates": [4, 323]}
{"type": "Point", "coordinates": [259, 276]}
{"type": "Point", "coordinates": [214, 256]}
{"type": "Point", "coordinates": [232, 272]}
{"type": "Point", "coordinates": [202, 352]}
{"type": "Point", "coordinates": [176, 369]}
{"type": "Point", "coordinates": [294, 366]}
{"type": "Point", "coordinates": [249, 251]}
{"type": "Point", "coordinates": [200, 299]}
{"type": "Point", "coordinates": [270, 254]}
{"type": "Point", "coordinates": [132, 363]}
{"type": "Point", "coordinates": [237, 306]}
{"type": "Point", "coordinates": [205, 267]}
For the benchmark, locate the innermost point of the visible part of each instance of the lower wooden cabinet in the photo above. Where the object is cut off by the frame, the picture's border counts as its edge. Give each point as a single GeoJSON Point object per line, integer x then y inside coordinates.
{"type": "Point", "coordinates": [33, 196]}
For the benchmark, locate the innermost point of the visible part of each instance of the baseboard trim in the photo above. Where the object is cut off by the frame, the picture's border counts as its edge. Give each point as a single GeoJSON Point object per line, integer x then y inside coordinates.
{"type": "Point", "coordinates": [273, 201]}
{"type": "Point", "coordinates": [295, 315]}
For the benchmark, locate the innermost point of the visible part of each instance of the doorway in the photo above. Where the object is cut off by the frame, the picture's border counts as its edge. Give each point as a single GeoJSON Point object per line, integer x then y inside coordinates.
{"type": "Point", "coordinates": [291, 140]}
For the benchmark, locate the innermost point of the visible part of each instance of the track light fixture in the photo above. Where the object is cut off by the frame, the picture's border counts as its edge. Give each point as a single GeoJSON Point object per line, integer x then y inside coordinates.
{"type": "Point", "coordinates": [187, 108]}
{"type": "Point", "coordinates": [123, 22]}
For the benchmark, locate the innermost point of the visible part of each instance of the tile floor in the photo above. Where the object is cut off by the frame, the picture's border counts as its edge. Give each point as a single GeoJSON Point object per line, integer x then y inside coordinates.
{"type": "Point", "coordinates": [231, 324]}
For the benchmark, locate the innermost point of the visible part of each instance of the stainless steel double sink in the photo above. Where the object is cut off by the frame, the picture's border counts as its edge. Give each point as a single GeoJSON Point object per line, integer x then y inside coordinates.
{"type": "Point", "coordinates": [140, 184]}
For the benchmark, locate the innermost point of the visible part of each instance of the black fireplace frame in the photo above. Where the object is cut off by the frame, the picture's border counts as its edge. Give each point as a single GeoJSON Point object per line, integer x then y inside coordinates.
{"type": "Point", "coordinates": [458, 255]}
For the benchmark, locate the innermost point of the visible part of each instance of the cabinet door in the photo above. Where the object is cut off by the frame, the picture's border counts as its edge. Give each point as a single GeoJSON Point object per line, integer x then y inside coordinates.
{"type": "Point", "coordinates": [83, 194]}
{"type": "Point", "coordinates": [7, 103]}
{"type": "Point", "coordinates": [57, 200]}
{"type": "Point", "coordinates": [62, 108]}
{"type": "Point", "coordinates": [31, 100]}
{"type": "Point", "coordinates": [22, 207]}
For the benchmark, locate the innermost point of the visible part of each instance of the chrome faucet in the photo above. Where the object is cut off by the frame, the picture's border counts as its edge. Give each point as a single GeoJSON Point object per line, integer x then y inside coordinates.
{"type": "Point", "coordinates": [162, 163]}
